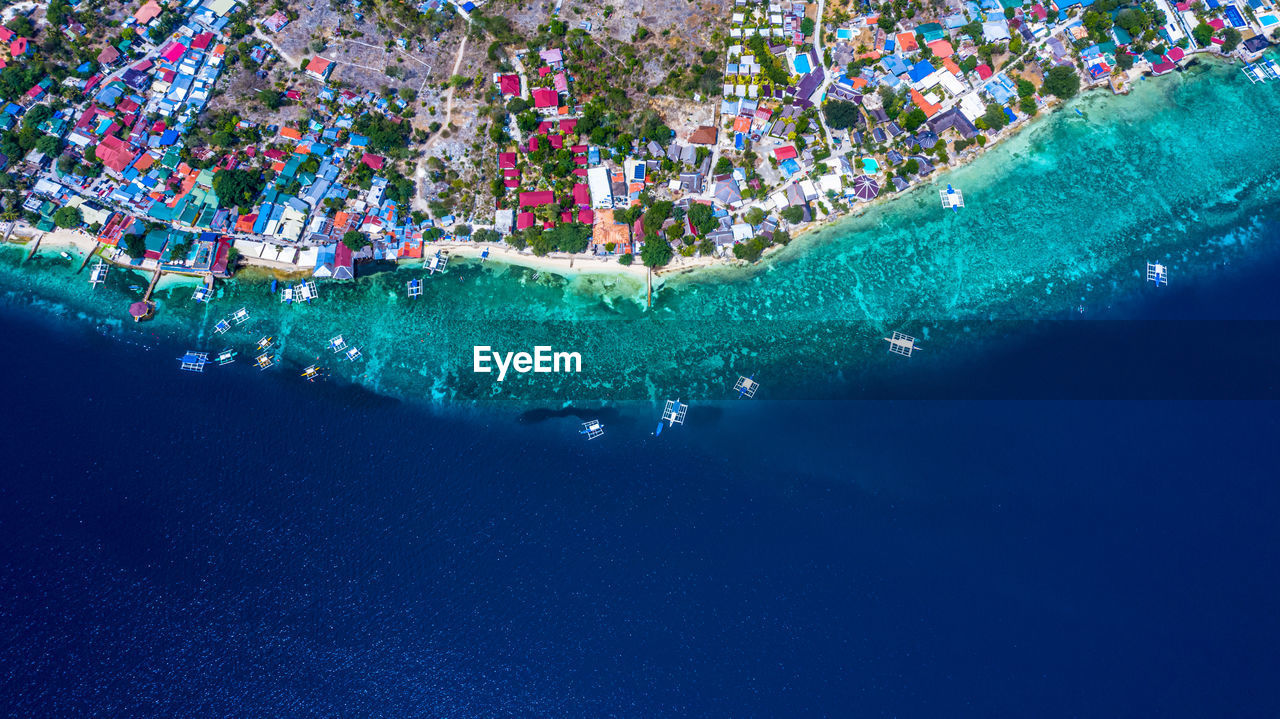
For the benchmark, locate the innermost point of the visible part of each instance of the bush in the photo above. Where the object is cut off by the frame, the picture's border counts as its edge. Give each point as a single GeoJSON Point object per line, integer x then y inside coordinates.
{"type": "Point", "coordinates": [626, 259]}
{"type": "Point", "coordinates": [1061, 82]}
{"type": "Point", "coordinates": [68, 217]}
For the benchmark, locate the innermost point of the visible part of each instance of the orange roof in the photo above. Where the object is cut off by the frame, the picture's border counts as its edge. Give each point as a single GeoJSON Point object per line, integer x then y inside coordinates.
{"type": "Point", "coordinates": [859, 82]}
{"type": "Point", "coordinates": [183, 168]}
{"type": "Point", "coordinates": [907, 42]}
{"type": "Point", "coordinates": [245, 222]}
{"type": "Point", "coordinates": [929, 108]}
{"type": "Point", "coordinates": [951, 66]}
{"type": "Point", "coordinates": [872, 54]}
{"type": "Point", "coordinates": [219, 50]}
{"type": "Point", "coordinates": [147, 13]}
{"type": "Point", "coordinates": [290, 133]}
{"type": "Point", "coordinates": [564, 110]}
{"type": "Point", "coordinates": [341, 220]}
{"type": "Point", "coordinates": [742, 124]}
{"type": "Point", "coordinates": [941, 48]}
{"type": "Point", "coordinates": [277, 166]}
{"type": "Point", "coordinates": [144, 162]}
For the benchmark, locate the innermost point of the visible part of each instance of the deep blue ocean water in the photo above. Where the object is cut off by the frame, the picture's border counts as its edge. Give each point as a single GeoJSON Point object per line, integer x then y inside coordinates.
{"type": "Point", "coordinates": [238, 544]}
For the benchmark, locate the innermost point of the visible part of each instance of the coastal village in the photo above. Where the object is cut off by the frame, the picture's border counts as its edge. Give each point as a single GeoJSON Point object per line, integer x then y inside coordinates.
{"type": "Point", "coordinates": [194, 137]}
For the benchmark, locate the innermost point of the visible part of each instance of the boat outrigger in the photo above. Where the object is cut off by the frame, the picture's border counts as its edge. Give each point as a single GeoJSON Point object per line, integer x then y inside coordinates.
{"type": "Point", "coordinates": [353, 354]}
{"type": "Point", "coordinates": [240, 316]}
{"type": "Point", "coordinates": [221, 327]}
{"type": "Point", "coordinates": [98, 275]}
{"type": "Point", "coordinates": [337, 344]}
{"type": "Point", "coordinates": [286, 295]}
{"type": "Point", "coordinates": [901, 344]}
{"type": "Point", "coordinates": [312, 373]}
{"type": "Point", "coordinates": [746, 387]}
{"type": "Point", "coordinates": [414, 288]}
{"type": "Point", "coordinates": [1157, 273]}
{"type": "Point", "coordinates": [194, 361]}
{"type": "Point", "coordinates": [592, 429]}
{"type": "Point", "coordinates": [263, 361]}
{"type": "Point", "coordinates": [265, 343]}
{"type": "Point", "coordinates": [226, 356]}
{"type": "Point", "coordinates": [673, 413]}
{"type": "Point", "coordinates": [202, 294]}
{"type": "Point", "coordinates": [951, 198]}
{"type": "Point", "coordinates": [304, 292]}
{"type": "Point", "coordinates": [436, 263]}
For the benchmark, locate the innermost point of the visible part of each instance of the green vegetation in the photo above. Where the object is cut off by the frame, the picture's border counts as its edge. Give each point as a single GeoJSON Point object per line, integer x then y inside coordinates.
{"type": "Point", "coordinates": [1062, 82]}
{"type": "Point", "coordinates": [793, 214]}
{"type": "Point", "coordinates": [1202, 33]}
{"type": "Point", "coordinates": [626, 259]}
{"type": "Point", "coordinates": [702, 218]}
{"type": "Point", "coordinates": [386, 136]}
{"type": "Point", "coordinates": [656, 252]}
{"type": "Point", "coordinates": [237, 188]}
{"type": "Point", "coordinates": [355, 240]}
{"type": "Point", "coordinates": [1230, 39]}
{"type": "Point", "coordinates": [769, 63]}
{"type": "Point", "coordinates": [994, 117]}
{"type": "Point", "coordinates": [914, 119]}
{"type": "Point", "coordinates": [135, 245]}
{"type": "Point", "coordinates": [68, 217]}
{"type": "Point", "coordinates": [841, 115]}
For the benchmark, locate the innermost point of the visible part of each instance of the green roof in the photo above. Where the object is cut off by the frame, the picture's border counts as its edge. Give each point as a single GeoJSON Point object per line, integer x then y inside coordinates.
{"type": "Point", "coordinates": [1122, 37]}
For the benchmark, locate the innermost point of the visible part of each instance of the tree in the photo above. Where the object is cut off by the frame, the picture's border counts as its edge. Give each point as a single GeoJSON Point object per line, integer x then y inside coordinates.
{"type": "Point", "coordinates": [48, 145]}
{"type": "Point", "coordinates": [626, 259]}
{"type": "Point", "coordinates": [237, 188]}
{"type": "Point", "coordinates": [656, 252]}
{"type": "Point", "coordinates": [914, 120]}
{"type": "Point", "coordinates": [1027, 105]}
{"type": "Point", "coordinates": [886, 22]}
{"type": "Point", "coordinates": [135, 245]}
{"type": "Point", "coordinates": [995, 117]}
{"type": "Point", "coordinates": [806, 26]}
{"type": "Point", "coordinates": [355, 240]}
{"type": "Point", "coordinates": [1133, 20]}
{"type": "Point", "coordinates": [723, 166]}
{"type": "Point", "coordinates": [654, 218]}
{"type": "Point", "coordinates": [1025, 88]}
{"type": "Point", "coordinates": [755, 216]}
{"type": "Point", "coordinates": [1061, 81]}
{"type": "Point", "coordinates": [1124, 60]}
{"type": "Point", "coordinates": [1202, 33]}
{"type": "Point", "coordinates": [702, 218]}
{"type": "Point", "coordinates": [68, 217]}
{"type": "Point", "coordinates": [841, 115]}
{"type": "Point", "coordinates": [1230, 39]}
{"type": "Point", "coordinates": [269, 98]}
{"type": "Point", "coordinates": [793, 214]}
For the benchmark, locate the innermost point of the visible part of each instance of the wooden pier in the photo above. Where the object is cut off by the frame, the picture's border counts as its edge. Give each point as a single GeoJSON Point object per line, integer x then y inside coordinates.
{"type": "Point", "coordinates": [35, 245]}
{"type": "Point", "coordinates": [151, 287]}
{"type": "Point", "coordinates": [88, 257]}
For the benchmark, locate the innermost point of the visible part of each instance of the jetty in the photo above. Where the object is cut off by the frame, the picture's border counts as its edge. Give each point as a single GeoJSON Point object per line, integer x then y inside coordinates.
{"type": "Point", "coordinates": [746, 387]}
{"type": "Point", "coordinates": [155, 277]}
{"type": "Point", "coordinates": [901, 344]}
{"type": "Point", "coordinates": [592, 428]}
{"type": "Point", "coordinates": [35, 245]}
{"type": "Point", "coordinates": [88, 256]}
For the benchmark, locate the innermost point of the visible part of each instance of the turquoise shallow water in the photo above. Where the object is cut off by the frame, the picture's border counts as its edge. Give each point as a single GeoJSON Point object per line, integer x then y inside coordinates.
{"type": "Point", "coordinates": [1060, 217]}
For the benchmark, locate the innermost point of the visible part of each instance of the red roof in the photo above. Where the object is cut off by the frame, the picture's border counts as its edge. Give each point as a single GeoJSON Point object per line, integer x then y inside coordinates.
{"type": "Point", "coordinates": [1161, 68]}
{"type": "Point", "coordinates": [566, 217]}
{"type": "Point", "coordinates": [114, 153]}
{"type": "Point", "coordinates": [586, 216]}
{"type": "Point", "coordinates": [907, 42]}
{"type": "Point", "coordinates": [509, 84]}
{"type": "Point", "coordinates": [319, 65]}
{"type": "Point", "coordinates": [1216, 24]}
{"type": "Point", "coordinates": [506, 160]}
{"type": "Point", "coordinates": [373, 161]}
{"type": "Point", "coordinates": [785, 152]}
{"type": "Point", "coordinates": [542, 197]}
{"type": "Point", "coordinates": [1175, 54]}
{"type": "Point", "coordinates": [201, 41]}
{"type": "Point", "coordinates": [984, 71]}
{"type": "Point", "coordinates": [18, 47]}
{"type": "Point", "coordinates": [557, 141]}
{"type": "Point", "coordinates": [568, 126]}
{"type": "Point", "coordinates": [533, 144]}
{"type": "Point", "coordinates": [545, 97]}
{"type": "Point", "coordinates": [579, 148]}
{"type": "Point", "coordinates": [580, 195]}
{"type": "Point", "coordinates": [544, 127]}
{"type": "Point", "coordinates": [524, 220]}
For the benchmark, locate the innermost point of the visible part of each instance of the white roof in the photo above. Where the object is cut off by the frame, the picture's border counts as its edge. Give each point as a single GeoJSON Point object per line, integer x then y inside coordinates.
{"type": "Point", "coordinates": [972, 106]}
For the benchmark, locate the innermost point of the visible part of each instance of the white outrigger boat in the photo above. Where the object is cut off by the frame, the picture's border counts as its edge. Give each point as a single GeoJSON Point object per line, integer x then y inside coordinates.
{"type": "Point", "coordinates": [746, 387]}
{"type": "Point", "coordinates": [286, 295]}
{"type": "Point", "coordinates": [901, 344]}
{"type": "Point", "coordinates": [592, 428]}
{"type": "Point", "coordinates": [226, 356]}
{"type": "Point", "coordinates": [952, 198]}
{"type": "Point", "coordinates": [263, 361]}
{"type": "Point", "coordinates": [436, 263]}
{"type": "Point", "coordinates": [240, 316]}
{"type": "Point", "coordinates": [353, 354]}
{"type": "Point", "coordinates": [194, 361]}
{"type": "Point", "coordinates": [305, 292]}
{"type": "Point", "coordinates": [337, 344]}
{"type": "Point", "coordinates": [265, 342]}
{"type": "Point", "coordinates": [673, 413]}
{"type": "Point", "coordinates": [312, 373]}
{"type": "Point", "coordinates": [98, 275]}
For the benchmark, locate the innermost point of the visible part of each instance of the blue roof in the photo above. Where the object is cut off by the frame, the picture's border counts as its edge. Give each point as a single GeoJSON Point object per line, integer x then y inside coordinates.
{"type": "Point", "coordinates": [894, 65]}
{"type": "Point", "coordinates": [920, 71]}
{"type": "Point", "coordinates": [1009, 114]}
{"type": "Point", "coordinates": [169, 137]}
{"type": "Point", "coordinates": [890, 45]}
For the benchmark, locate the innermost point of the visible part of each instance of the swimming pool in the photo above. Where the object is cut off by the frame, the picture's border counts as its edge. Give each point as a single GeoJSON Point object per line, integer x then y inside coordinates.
{"type": "Point", "coordinates": [802, 64]}
{"type": "Point", "coordinates": [1267, 20]}
{"type": "Point", "coordinates": [870, 166]}
{"type": "Point", "coordinates": [844, 33]}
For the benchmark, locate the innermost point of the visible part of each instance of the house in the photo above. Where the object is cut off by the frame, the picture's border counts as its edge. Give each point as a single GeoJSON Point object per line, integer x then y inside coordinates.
{"type": "Point", "coordinates": [704, 135]}
{"type": "Point", "coordinates": [535, 198]}
{"type": "Point", "coordinates": [953, 119]}
{"type": "Point", "coordinates": [545, 97]}
{"type": "Point", "coordinates": [319, 68]}
{"type": "Point", "coordinates": [148, 12]}
{"type": "Point", "coordinates": [115, 154]}
{"type": "Point", "coordinates": [108, 55]}
{"type": "Point", "coordinates": [509, 85]}
{"type": "Point", "coordinates": [277, 21]}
